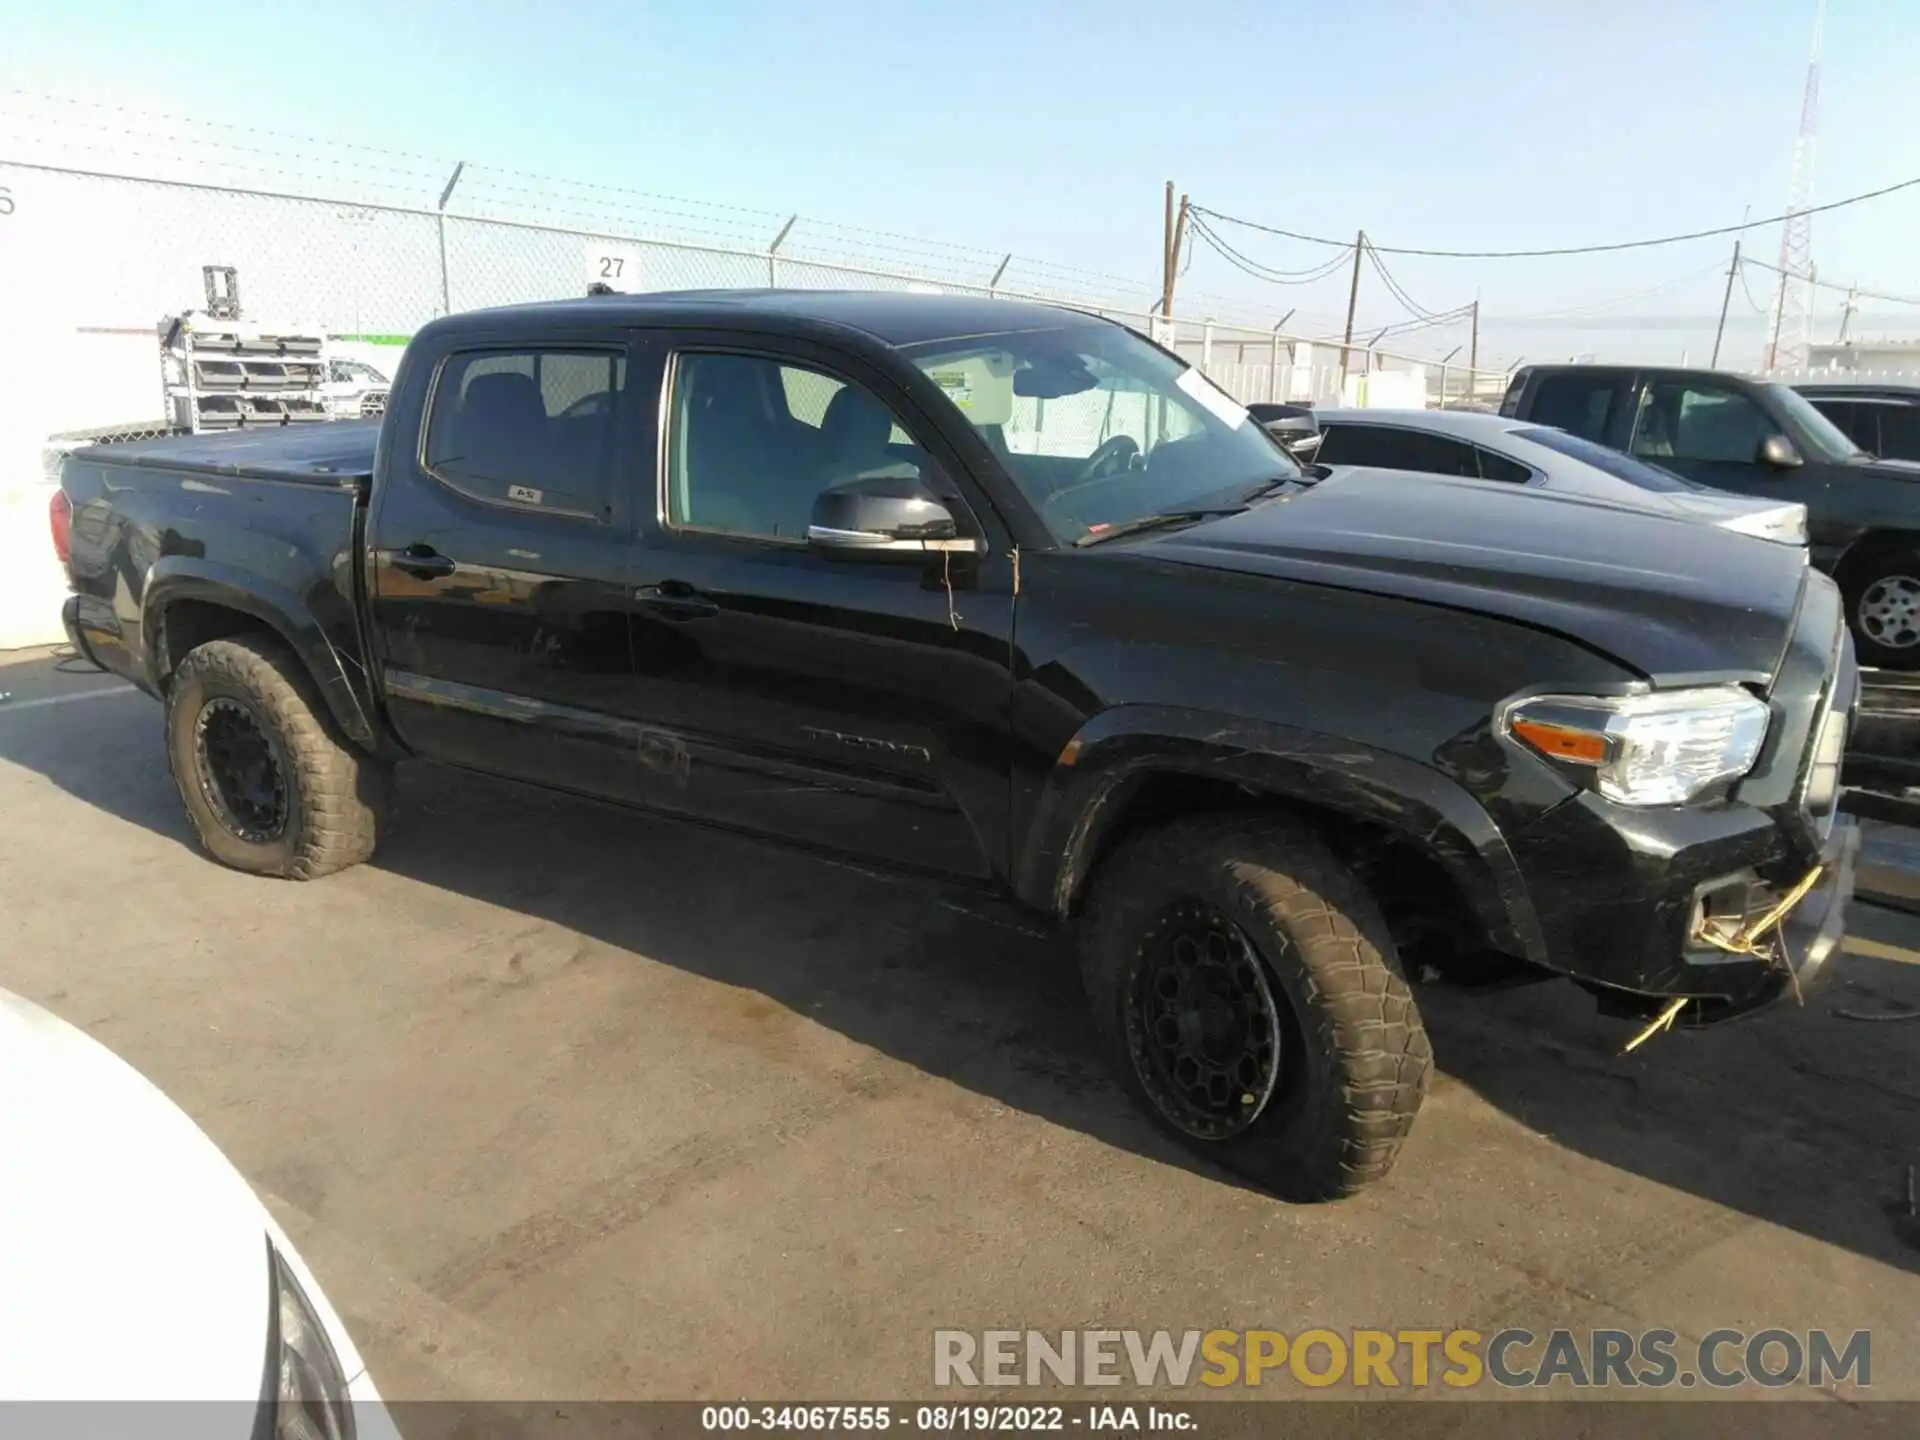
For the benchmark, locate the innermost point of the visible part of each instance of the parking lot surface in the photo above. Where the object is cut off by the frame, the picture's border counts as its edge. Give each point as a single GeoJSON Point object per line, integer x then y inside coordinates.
{"type": "Point", "coordinates": [563, 1101]}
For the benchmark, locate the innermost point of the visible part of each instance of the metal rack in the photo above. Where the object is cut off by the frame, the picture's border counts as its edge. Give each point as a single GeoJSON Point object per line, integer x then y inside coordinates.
{"type": "Point", "coordinates": [220, 372]}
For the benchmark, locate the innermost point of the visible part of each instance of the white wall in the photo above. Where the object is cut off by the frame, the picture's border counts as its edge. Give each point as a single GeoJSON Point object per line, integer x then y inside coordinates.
{"type": "Point", "coordinates": [36, 344]}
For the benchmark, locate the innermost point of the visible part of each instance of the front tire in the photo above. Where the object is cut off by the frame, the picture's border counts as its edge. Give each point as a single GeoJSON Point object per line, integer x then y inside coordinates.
{"type": "Point", "coordinates": [270, 786]}
{"type": "Point", "coordinates": [1249, 998]}
{"type": "Point", "coordinates": [1882, 591]}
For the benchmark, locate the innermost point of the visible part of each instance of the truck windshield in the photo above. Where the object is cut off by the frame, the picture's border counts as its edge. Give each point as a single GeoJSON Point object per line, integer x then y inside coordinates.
{"type": "Point", "coordinates": [1099, 427]}
{"type": "Point", "coordinates": [1828, 438]}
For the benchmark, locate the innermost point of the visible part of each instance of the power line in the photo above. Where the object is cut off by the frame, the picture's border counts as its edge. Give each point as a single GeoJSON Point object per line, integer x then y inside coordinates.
{"type": "Point", "coordinates": [1398, 292]}
{"type": "Point", "coordinates": [1450, 317]}
{"type": "Point", "coordinates": [1261, 271]}
{"type": "Point", "coordinates": [1596, 306]}
{"type": "Point", "coordinates": [1567, 249]}
{"type": "Point", "coordinates": [1836, 285]}
{"type": "Point", "coordinates": [1747, 290]}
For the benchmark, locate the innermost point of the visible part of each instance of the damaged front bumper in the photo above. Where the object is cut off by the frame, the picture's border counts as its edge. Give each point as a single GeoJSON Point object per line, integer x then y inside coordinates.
{"type": "Point", "coordinates": [1752, 944]}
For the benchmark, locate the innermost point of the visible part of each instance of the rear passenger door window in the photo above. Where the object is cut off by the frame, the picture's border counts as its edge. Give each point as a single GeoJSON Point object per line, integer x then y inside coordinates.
{"type": "Point", "coordinates": [1583, 405]}
{"type": "Point", "coordinates": [1899, 432]}
{"type": "Point", "coordinates": [532, 428]}
{"type": "Point", "coordinates": [1391, 448]}
{"type": "Point", "coordinates": [1860, 423]}
{"type": "Point", "coordinates": [753, 441]}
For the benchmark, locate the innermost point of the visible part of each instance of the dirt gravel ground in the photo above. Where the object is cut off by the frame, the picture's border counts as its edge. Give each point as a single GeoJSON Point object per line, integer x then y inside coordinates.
{"type": "Point", "coordinates": [562, 1101]}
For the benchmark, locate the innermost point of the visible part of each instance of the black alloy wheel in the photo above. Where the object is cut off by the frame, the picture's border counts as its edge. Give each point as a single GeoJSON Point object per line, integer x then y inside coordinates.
{"type": "Point", "coordinates": [1207, 1033]}
{"type": "Point", "coordinates": [243, 775]}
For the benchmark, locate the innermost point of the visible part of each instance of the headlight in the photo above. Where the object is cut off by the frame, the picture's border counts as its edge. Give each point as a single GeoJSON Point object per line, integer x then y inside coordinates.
{"type": "Point", "coordinates": [1665, 748]}
{"type": "Point", "coordinates": [310, 1395]}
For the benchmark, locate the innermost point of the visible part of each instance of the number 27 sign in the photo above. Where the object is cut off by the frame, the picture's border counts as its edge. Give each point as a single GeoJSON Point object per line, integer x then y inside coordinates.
{"type": "Point", "coordinates": [613, 265]}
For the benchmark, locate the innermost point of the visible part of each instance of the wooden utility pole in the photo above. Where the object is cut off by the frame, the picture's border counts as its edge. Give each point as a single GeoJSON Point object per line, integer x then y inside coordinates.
{"type": "Point", "coordinates": [1473, 345]}
{"type": "Point", "coordinates": [1177, 236]}
{"type": "Point", "coordinates": [1166, 256]}
{"type": "Point", "coordinates": [1779, 313]}
{"type": "Point", "coordinates": [1726, 299]}
{"type": "Point", "coordinates": [1353, 302]}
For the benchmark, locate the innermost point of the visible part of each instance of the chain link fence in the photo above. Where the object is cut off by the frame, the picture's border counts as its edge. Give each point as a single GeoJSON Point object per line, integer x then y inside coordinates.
{"type": "Point", "coordinates": [92, 261]}
{"type": "Point", "coordinates": [131, 250]}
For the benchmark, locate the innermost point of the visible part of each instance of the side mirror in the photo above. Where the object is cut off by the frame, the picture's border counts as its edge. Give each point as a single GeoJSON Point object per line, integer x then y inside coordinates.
{"type": "Point", "coordinates": [1777, 453]}
{"type": "Point", "coordinates": [886, 515]}
{"type": "Point", "coordinates": [1294, 426]}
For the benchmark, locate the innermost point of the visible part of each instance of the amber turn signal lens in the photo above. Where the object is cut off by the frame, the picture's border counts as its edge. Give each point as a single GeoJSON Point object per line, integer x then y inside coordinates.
{"type": "Point", "coordinates": [1563, 742]}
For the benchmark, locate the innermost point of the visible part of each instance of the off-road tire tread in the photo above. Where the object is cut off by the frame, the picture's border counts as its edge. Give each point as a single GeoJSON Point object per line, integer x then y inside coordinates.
{"type": "Point", "coordinates": [345, 796]}
{"type": "Point", "coordinates": [1366, 1041]}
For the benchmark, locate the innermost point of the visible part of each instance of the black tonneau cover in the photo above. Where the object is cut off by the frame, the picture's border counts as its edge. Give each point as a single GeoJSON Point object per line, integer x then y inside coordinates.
{"type": "Point", "coordinates": [336, 452]}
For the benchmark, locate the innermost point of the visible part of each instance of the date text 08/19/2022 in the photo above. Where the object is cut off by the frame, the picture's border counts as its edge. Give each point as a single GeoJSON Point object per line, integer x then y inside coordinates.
{"type": "Point", "coordinates": [946, 1419]}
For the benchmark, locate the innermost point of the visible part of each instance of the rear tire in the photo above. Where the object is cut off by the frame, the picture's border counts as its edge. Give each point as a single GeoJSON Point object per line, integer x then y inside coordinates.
{"type": "Point", "coordinates": [1882, 591]}
{"type": "Point", "coordinates": [270, 786]}
{"type": "Point", "coordinates": [1208, 936]}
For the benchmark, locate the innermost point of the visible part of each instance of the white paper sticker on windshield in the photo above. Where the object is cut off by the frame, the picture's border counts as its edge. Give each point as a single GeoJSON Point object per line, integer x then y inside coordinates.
{"type": "Point", "coordinates": [1216, 401]}
{"type": "Point", "coordinates": [958, 385]}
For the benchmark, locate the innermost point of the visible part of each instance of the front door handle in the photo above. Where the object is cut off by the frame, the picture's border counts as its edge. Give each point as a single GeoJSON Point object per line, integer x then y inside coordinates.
{"type": "Point", "coordinates": [422, 561]}
{"type": "Point", "coordinates": [675, 600]}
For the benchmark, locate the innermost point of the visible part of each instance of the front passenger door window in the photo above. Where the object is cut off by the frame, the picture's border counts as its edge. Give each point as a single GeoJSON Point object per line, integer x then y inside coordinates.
{"type": "Point", "coordinates": [1704, 424]}
{"type": "Point", "coordinates": [753, 441]}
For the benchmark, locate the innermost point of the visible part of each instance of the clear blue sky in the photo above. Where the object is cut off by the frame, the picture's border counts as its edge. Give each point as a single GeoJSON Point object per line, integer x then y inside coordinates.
{"type": "Point", "coordinates": [1049, 128]}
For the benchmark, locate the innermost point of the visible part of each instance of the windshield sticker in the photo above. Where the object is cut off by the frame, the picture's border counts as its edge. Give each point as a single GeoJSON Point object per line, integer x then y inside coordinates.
{"type": "Point", "coordinates": [1212, 398]}
{"type": "Point", "coordinates": [957, 384]}
{"type": "Point", "coordinates": [979, 385]}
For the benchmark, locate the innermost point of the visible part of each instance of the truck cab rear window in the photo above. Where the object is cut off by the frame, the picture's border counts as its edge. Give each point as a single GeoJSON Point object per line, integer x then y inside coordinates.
{"type": "Point", "coordinates": [533, 428]}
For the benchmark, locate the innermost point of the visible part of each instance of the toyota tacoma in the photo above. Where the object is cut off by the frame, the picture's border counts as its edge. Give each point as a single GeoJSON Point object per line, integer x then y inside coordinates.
{"type": "Point", "coordinates": [1009, 596]}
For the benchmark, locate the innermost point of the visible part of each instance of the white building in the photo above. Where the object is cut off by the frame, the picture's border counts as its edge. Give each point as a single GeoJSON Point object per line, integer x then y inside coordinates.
{"type": "Point", "coordinates": [1868, 359]}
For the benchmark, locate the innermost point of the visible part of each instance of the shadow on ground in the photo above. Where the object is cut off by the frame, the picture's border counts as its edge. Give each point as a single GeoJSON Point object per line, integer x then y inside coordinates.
{"type": "Point", "coordinates": [1803, 1119]}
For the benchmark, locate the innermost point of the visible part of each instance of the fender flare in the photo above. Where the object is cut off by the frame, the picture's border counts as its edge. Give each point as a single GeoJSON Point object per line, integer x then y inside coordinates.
{"type": "Point", "coordinates": [176, 578]}
{"type": "Point", "coordinates": [1870, 539]}
{"type": "Point", "coordinates": [1086, 793]}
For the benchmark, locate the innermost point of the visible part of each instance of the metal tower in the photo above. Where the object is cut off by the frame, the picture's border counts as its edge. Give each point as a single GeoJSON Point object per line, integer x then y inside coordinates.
{"type": "Point", "coordinates": [1791, 331]}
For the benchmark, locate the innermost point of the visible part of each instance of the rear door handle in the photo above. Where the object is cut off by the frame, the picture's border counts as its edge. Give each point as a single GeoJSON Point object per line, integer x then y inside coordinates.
{"type": "Point", "coordinates": [422, 561]}
{"type": "Point", "coordinates": [675, 600]}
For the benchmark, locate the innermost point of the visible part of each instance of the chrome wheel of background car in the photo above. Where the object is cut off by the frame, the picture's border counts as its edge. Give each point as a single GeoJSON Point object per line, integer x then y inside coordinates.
{"type": "Point", "coordinates": [242, 773]}
{"type": "Point", "coordinates": [1889, 612]}
{"type": "Point", "coordinates": [1205, 1024]}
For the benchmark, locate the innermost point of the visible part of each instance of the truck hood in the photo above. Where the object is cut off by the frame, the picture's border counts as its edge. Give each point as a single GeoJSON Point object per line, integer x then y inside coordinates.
{"type": "Point", "coordinates": [1891, 469]}
{"type": "Point", "coordinates": [1676, 600]}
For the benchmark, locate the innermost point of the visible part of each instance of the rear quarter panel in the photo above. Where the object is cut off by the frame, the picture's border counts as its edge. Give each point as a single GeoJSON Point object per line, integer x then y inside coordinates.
{"type": "Point", "coordinates": [145, 537]}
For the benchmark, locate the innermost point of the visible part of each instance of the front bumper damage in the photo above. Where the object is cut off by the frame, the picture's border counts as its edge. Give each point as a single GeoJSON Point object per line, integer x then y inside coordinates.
{"type": "Point", "coordinates": [1752, 945]}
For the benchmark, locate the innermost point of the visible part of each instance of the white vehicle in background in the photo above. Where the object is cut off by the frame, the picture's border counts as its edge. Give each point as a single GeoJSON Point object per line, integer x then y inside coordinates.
{"type": "Point", "coordinates": [353, 389]}
{"type": "Point", "coordinates": [137, 1265]}
{"type": "Point", "coordinates": [1472, 446]}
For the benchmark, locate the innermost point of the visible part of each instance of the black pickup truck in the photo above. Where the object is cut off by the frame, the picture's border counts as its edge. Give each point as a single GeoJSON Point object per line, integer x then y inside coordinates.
{"type": "Point", "coordinates": [1759, 437]}
{"type": "Point", "coordinates": [1010, 596]}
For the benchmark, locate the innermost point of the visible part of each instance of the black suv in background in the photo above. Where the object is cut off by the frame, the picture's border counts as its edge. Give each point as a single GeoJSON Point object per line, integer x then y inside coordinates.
{"type": "Point", "coordinates": [1759, 437]}
{"type": "Point", "coordinates": [1883, 420]}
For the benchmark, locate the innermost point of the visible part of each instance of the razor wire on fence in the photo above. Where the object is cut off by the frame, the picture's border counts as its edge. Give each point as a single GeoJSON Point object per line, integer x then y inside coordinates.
{"type": "Point", "coordinates": [130, 250]}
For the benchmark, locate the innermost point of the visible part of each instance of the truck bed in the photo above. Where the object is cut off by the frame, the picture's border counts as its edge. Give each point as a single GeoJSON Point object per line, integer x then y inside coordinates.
{"type": "Point", "coordinates": [339, 453]}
